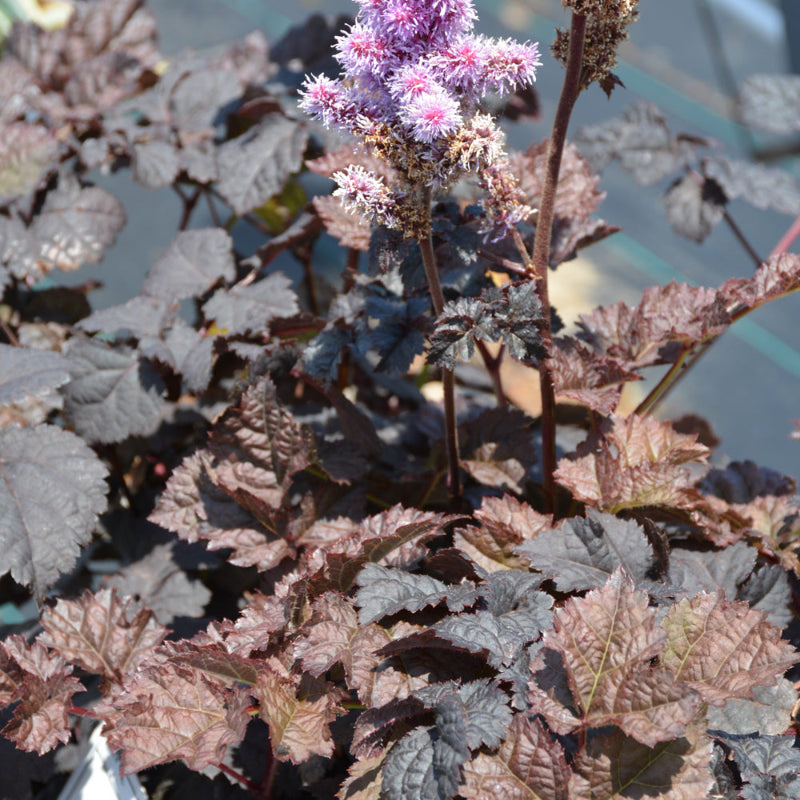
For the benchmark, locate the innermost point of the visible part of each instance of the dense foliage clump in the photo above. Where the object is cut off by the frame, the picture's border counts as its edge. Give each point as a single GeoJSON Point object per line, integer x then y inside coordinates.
{"type": "Point", "coordinates": [289, 537]}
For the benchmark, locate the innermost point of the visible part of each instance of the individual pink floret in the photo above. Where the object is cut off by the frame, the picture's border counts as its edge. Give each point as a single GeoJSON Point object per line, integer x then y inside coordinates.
{"type": "Point", "coordinates": [361, 49]}
{"type": "Point", "coordinates": [432, 115]}
{"type": "Point", "coordinates": [510, 64]}
{"type": "Point", "coordinates": [363, 191]}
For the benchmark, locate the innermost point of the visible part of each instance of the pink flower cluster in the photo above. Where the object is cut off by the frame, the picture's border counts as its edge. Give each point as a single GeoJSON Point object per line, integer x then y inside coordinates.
{"type": "Point", "coordinates": [416, 66]}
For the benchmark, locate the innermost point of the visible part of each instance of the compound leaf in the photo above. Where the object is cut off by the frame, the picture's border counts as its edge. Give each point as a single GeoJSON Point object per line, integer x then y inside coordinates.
{"type": "Point", "coordinates": [511, 314]}
{"type": "Point", "coordinates": [770, 766]}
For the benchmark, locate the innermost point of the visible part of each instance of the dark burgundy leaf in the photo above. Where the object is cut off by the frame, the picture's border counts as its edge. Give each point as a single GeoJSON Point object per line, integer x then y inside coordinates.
{"type": "Point", "coordinates": [583, 553]}
{"type": "Point", "coordinates": [155, 164]}
{"type": "Point", "coordinates": [640, 140]}
{"type": "Point", "coordinates": [199, 161]}
{"type": "Point", "coordinates": [249, 307]}
{"type": "Point", "coordinates": [767, 589]}
{"type": "Point", "coordinates": [676, 312]}
{"type": "Point", "coordinates": [383, 591]}
{"type": "Point", "coordinates": [694, 206]}
{"type": "Point", "coordinates": [505, 523]}
{"type": "Point", "coordinates": [722, 648]}
{"type": "Point", "coordinates": [511, 314]}
{"type": "Point", "coordinates": [637, 461]}
{"type": "Point", "coordinates": [771, 102]}
{"type": "Point", "coordinates": [577, 198]}
{"type": "Point", "coordinates": [192, 264]}
{"type": "Point", "coordinates": [345, 226]}
{"type": "Point", "coordinates": [770, 765]}
{"type": "Point", "coordinates": [529, 765]}
{"type": "Point", "coordinates": [76, 225]}
{"type": "Point", "coordinates": [25, 372]}
{"type": "Point", "coordinates": [113, 393]}
{"type": "Point", "coordinates": [761, 186]}
{"type": "Point", "coordinates": [198, 96]}
{"type": "Point", "coordinates": [768, 713]}
{"type": "Point", "coordinates": [41, 720]}
{"type": "Point", "coordinates": [255, 166]}
{"type": "Point", "coordinates": [776, 277]}
{"type": "Point", "coordinates": [743, 481]}
{"type": "Point", "coordinates": [501, 636]}
{"type": "Point", "coordinates": [614, 765]}
{"type": "Point", "coordinates": [143, 318]}
{"type": "Point", "coordinates": [51, 492]}
{"type": "Point", "coordinates": [167, 711]}
{"type": "Point", "coordinates": [27, 152]}
{"type": "Point", "coordinates": [195, 508]}
{"type": "Point", "coordinates": [583, 375]}
{"type": "Point", "coordinates": [299, 717]}
{"type": "Point", "coordinates": [162, 585]}
{"type": "Point", "coordinates": [101, 632]}
{"type": "Point", "coordinates": [695, 571]}
{"type": "Point", "coordinates": [409, 771]}
{"type": "Point", "coordinates": [96, 59]}
{"type": "Point", "coordinates": [192, 354]}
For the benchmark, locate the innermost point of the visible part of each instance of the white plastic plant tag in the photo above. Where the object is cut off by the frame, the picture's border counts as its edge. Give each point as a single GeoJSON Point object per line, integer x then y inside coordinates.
{"type": "Point", "coordinates": [97, 776]}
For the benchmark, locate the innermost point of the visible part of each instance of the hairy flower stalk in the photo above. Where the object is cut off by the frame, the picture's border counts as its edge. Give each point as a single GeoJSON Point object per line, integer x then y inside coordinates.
{"type": "Point", "coordinates": [588, 51]}
{"type": "Point", "coordinates": [413, 73]}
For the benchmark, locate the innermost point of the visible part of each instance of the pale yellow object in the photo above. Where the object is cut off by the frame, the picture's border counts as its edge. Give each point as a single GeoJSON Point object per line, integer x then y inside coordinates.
{"type": "Point", "coordinates": [48, 14]}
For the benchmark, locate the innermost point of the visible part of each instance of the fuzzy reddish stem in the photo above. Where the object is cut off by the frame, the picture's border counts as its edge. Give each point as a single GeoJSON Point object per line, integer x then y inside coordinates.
{"type": "Point", "coordinates": [787, 239]}
{"type": "Point", "coordinates": [448, 379]}
{"type": "Point", "coordinates": [541, 247]}
{"type": "Point", "coordinates": [492, 364]}
{"type": "Point", "coordinates": [253, 788]}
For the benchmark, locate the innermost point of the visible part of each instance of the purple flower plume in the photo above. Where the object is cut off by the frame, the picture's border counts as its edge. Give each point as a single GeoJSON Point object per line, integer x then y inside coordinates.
{"type": "Point", "coordinates": [418, 67]}
{"type": "Point", "coordinates": [413, 73]}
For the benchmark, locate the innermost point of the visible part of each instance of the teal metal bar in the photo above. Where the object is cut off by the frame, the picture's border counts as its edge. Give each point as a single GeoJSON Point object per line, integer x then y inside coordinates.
{"type": "Point", "coordinates": [748, 331]}
{"type": "Point", "coordinates": [272, 21]}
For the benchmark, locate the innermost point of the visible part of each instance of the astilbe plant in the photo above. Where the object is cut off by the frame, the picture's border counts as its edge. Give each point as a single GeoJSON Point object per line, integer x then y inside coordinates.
{"type": "Point", "coordinates": [321, 588]}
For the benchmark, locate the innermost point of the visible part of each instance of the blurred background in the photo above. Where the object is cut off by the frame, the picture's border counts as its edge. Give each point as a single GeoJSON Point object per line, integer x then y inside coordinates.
{"type": "Point", "coordinates": [688, 57]}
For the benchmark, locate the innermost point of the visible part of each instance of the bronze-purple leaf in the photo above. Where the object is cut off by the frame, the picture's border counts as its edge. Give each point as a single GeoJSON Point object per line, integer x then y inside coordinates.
{"type": "Point", "coordinates": [101, 632]}
{"type": "Point", "coordinates": [723, 648]}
